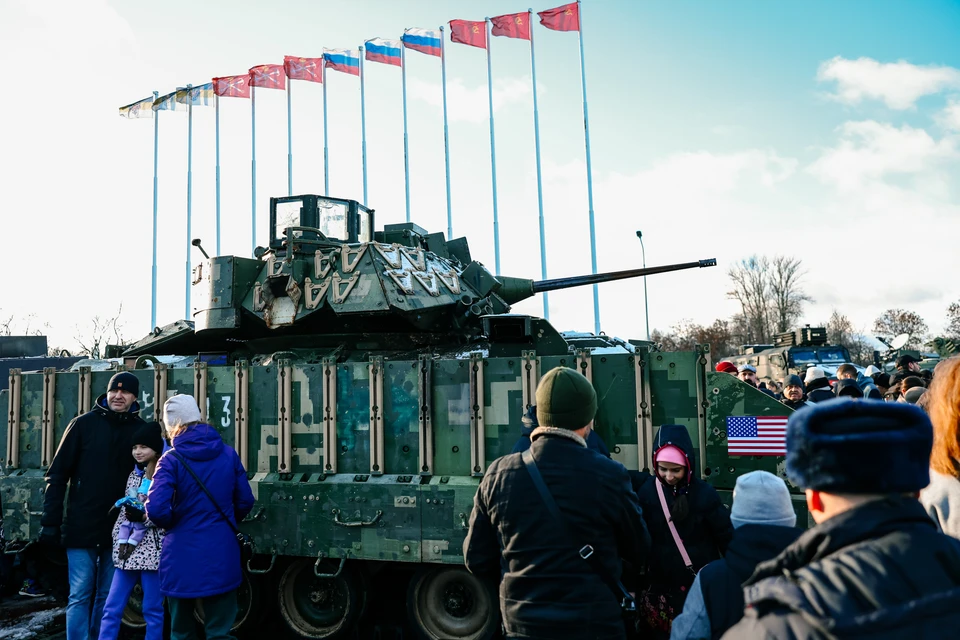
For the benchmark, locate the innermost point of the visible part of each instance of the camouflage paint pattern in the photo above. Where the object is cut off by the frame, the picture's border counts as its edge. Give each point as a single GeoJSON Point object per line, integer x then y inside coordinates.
{"type": "Point", "coordinates": [400, 514]}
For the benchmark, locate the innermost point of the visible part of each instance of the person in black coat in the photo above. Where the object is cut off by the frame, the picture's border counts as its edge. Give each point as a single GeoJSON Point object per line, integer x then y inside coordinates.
{"type": "Point", "coordinates": [94, 459]}
{"type": "Point", "coordinates": [547, 590]}
{"type": "Point", "coordinates": [875, 565]}
{"type": "Point", "coordinates": [764, 524]}
{"type": "Point", "coordinates": [818, 385]}
{"type": "Point", "coordinates": [529, 424]}
{"type": "Point", "coordinates": [701, 520]}
{"type": "Point", "coordinates": [794, 394]}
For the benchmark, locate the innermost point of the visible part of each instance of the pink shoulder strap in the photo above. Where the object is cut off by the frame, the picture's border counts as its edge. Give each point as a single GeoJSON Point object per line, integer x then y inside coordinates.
{"type": "Point", "coordinates": [673, 528]}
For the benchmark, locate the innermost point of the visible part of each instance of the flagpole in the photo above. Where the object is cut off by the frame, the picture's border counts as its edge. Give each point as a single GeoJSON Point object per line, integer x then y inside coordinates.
{"type": "Point", "coordinates": [446, 135]}
{"type": "Point", "coordinates": [406, 151]}
{"type": "Point", "coordinates": [536, 138]}
{"type": "Point", "coordinates": [363, 128]}
{"type": "Point", "coordinates": [289, 141]}
{"type": "Point", "coordinates": [586, 138]}
{"type": "Point", "coordinates": [326, 155]}
{"type": "Point", "coordinates": [189, 194]}
{"type": "Point", "coordinates": [253, 170]}
{"type": "Point", "coordinates": [493, 156]}
{"type": "Point", "coordinates": [153, 275]}
{"type": "Point", "coordinates": [216, 117]}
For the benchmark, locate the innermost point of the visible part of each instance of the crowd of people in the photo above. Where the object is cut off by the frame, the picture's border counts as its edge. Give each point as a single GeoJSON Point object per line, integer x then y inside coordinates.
{"type": "Point", "coordinates": [582, 548]}
{"type": "Point", "coordinates": [150, 508]}
{"type": "Point", "coordinates": [579, 546]}
{"type": "Point", "coordinates": [908, 383]}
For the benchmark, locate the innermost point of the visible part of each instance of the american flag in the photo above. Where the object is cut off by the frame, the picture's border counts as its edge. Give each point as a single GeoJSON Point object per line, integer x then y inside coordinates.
{"type": "Point", "coordinates": [750, 436]}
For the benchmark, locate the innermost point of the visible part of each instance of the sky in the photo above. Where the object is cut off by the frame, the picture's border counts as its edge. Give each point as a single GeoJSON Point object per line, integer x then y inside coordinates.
{"type": "Point", "coordinates": [825, 131]}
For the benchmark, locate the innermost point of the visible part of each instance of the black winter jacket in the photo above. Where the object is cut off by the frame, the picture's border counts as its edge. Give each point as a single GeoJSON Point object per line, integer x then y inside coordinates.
{"type": "Point", "coordinates": [819, 390]}
{"type": "Point", "coordinates": [796, 404]}
{"type": "Point", "coordinates": [547, 590]}
{"type": "Point", "coordinates": [706, 531]}
{"type": "Point", "coordinates": [721, 580]}
{"type": "Point", "coordinates": [879, 571]}
{"type": "Point", "coordinates": [94, 458]}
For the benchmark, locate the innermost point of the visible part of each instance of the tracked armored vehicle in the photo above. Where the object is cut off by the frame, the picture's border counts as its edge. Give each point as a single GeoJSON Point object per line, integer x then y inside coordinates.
{"type": "Point", "coordinates": [367, 379]}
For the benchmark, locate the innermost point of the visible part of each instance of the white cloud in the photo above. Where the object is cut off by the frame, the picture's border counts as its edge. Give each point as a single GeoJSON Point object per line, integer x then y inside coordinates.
{"type": "Point", "coordinates": [949, 118]}
{"type": "Point", "coordinates": [898, 84]}
{"type": "Point", "coordinates": [471, 104]}
{"type": "Point", "coordinates": [870, 151]}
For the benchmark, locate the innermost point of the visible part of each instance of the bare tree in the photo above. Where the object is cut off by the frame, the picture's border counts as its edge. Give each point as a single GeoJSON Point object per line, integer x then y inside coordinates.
{"type": "Point", "coordinates": [102, 331]}
{"type": "Point", "coordinates": [6, 326]}
{"type": "Point", "coordinates": [953, 321]}
{"type": "Point", "coordinates": [840, 330]}
{"type": "Point", "coordinates": [893, 322]}
{"type": "Point", "coordinates": [786, 296]}
{"type": "Point", "coordinates": [751, 288]}
{"type": "Point", "coordinates": [685, 335]}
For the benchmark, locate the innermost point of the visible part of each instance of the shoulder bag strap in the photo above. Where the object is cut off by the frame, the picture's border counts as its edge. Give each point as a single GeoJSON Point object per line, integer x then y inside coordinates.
{"type": "Point", "coordinates": [586, 551]}
{"type": "Point", "coordinates": [673, 528]}
{"type": "Point", "coordinates": [186, 466]}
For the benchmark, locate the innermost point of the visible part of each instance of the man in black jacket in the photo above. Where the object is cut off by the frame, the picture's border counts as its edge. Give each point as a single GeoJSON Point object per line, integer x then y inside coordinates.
{"type": "Point", "coordinates": [875, 565]}
{"type": "Point", "coordinates": [794, 395]}
{"type": "Point", "coordinates": [548, 590]}
{"type": "Point", "coordinates": [94, 458]}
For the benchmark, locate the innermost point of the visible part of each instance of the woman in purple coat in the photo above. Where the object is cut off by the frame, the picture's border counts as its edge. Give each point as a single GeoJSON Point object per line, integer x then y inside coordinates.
{"type": "Point", "coordinates": [201, 555]}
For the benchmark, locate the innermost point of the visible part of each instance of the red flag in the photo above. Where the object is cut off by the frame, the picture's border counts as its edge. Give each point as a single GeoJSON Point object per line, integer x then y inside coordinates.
{"type": "Point", "coordinates": [310, 69]}
{"type": "Point", "coordinates": [512, 25]}
{"type": "Point", "coordinates": [232, 86]}
{"type": "Point", "coordinates": [565, 18]}
{"type": "Point", "coordinates": [467, 32]}
{"type": "Point", "coordinates": [268, 76]}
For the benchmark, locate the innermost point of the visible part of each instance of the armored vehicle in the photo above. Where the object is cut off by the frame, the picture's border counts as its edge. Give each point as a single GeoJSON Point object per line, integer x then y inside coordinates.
{"type": "Point", "coordinates": [793, 352]}
{"type": "Point", "coordinates": [928, 359]}
{"type": "Point", "coordinates": [367, 379]}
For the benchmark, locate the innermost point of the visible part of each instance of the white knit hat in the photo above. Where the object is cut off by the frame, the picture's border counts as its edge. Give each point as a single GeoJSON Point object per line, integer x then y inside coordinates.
{"type": "Point", "coordinates": [871, 370]}
{"type": "Point", "coordinates": [813, 373]}
{"type": "Point", "coordinates": [180, 409]}
{"type": "Point", "coordinates": [760, 497]}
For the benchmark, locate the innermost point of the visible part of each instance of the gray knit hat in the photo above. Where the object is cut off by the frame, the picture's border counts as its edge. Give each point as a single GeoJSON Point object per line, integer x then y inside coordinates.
{"type": "Point", "coordinates": [180, 409]}
{"type": "Point", "coordinates": [565, 399]}
{"type": "Point", "coordinates": [760, 497]}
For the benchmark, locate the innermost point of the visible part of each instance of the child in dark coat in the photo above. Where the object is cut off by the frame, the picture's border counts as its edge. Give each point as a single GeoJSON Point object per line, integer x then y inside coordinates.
{"type": "Point", "coordinates": [701, 521]}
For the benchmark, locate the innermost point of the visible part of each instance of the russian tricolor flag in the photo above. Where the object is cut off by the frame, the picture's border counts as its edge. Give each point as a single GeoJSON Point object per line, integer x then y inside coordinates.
{"type": "Point", "coordinates": [423, 40]}
{"type": "Point", "coordinates": [385, 51]}
{"type": "Point", "coordinates": [345, 60]}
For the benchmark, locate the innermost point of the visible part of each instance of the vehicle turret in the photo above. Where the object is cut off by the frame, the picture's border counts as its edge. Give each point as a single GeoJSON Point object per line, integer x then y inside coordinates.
{"type": "Point", "coordinates": [328, 279]}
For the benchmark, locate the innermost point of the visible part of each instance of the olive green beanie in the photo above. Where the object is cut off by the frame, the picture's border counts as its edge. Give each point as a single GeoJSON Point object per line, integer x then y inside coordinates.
{"type": "Point", "coordinates": [565, 399]}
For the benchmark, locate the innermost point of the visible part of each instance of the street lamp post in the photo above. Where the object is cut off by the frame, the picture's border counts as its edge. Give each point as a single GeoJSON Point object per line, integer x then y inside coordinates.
{"type": "Point", "coordinates": [646, 307]}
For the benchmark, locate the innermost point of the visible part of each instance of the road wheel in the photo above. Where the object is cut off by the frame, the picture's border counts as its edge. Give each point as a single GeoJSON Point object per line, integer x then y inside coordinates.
{"type": "Point", "coordinates": [315, 607]}
{"type": "Point", "coordinates": [248, 606]}
{"type": "Point", "coordinates": [450, 602]}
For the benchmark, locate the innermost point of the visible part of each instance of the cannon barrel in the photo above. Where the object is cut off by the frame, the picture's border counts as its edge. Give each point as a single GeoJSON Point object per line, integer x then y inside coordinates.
{"type": "Point", "coordinates": [514, 290]}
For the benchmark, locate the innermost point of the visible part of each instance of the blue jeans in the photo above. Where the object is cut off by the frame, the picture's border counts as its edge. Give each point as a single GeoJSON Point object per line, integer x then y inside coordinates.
{"type": "Point", "coordinates": [152, 604]}
{"type": "Point", "coordinates": [89, 572]}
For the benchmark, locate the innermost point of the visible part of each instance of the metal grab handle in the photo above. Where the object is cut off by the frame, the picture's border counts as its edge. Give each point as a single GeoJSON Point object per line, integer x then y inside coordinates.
{"type": "Point", "coordinates": [316, 567]}
{"type": "Point", "coordinates": [252, 517]}
{"type": "Point", "coordinates": [358, 523]}
{"type": "Point", "coordinates": [273, 560]}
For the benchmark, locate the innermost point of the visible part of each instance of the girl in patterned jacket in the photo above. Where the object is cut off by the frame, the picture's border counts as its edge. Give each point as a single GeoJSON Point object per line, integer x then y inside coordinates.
{"type": "Point", "coordinates": [137, 562]}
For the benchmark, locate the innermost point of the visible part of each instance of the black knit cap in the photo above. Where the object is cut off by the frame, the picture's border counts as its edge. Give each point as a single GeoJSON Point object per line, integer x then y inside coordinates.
{"type": "Point", "coordinates": [828, 444]}
{"type": "Point", "coordinates": [565, 399]}
{"type": "Point", "coordinates": [149, 435]}
{"type": "Point", "coordinates": [125, 381]}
